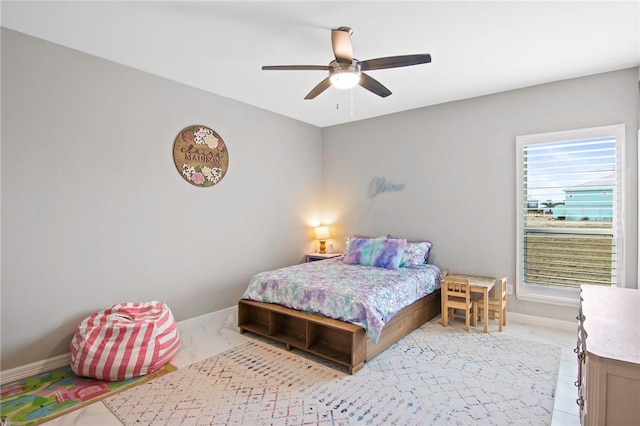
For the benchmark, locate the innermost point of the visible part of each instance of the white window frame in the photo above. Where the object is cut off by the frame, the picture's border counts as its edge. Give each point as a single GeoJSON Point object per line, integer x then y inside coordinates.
{"type": "Point", "coordinates": [559, 295]}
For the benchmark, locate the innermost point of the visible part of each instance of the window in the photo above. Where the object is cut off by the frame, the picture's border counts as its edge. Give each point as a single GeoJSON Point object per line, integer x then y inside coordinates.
{"type": "Point", "coordinates": [575, 237]}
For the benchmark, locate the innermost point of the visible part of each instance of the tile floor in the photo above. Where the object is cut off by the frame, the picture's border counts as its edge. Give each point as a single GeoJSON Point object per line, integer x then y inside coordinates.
{"type": "Point", "coordinates": [211, 334]}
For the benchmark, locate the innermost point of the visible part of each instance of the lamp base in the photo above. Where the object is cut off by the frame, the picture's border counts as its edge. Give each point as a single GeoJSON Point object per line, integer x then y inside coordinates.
{"type": "Point", "coordinates": [323, 247]}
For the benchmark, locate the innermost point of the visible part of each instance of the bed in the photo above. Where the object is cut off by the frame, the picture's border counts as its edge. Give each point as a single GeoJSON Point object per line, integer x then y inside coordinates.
{"type": "Point", "coordinates": [346, 309]}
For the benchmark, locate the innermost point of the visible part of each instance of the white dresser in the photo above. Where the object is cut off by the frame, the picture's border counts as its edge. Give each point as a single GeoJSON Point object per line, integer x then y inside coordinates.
{"type": "Point", "coordinates": [609, 356]}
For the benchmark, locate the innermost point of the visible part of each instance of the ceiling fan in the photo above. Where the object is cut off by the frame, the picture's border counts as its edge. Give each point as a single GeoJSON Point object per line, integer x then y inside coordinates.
{"type": "Point", "coordinates": [345, 71]}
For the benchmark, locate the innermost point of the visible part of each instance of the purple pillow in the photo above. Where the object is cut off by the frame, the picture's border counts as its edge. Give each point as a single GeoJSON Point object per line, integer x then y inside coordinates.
{"type": "Point", "coordinates": [348, 239]}
{"type": "Point", "coordinates": [359, 252]}
{"type": "Point", "coordinates": [409, 244]}
{"type": "Point", "coordinates": [387, 253]}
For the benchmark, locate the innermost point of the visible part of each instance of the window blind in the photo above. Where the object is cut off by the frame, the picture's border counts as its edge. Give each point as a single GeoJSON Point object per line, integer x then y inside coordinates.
{"type": "Point", "coordinates": [570, 192]}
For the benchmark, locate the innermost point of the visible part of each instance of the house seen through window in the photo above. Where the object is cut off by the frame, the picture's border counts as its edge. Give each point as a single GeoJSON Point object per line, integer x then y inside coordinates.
{"type": "Point", "coordinates": [569, 212]}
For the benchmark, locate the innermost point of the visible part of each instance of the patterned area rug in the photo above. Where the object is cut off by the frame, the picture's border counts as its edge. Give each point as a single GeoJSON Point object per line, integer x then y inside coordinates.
{"type": "Point", "coordinates": [435, 375]}
{"type": "Point", "coordinates": [40, 398]}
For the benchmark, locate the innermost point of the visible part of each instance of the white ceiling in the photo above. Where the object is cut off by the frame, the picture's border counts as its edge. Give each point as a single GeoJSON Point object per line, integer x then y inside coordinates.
{"type": "Point", "coordinates": [478, 47]}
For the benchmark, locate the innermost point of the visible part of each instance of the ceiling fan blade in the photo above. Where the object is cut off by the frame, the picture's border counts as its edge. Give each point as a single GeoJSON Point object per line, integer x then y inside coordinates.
{"type": "Point", "coordinates": [395, 62]}
{"type": "Point", "coordinates": [373, 85]}
{"type": "Point", "coordinates": [321, 87]}
{"type": "Point", "coordinates": [296, 67]}
{"type": "Point", "coordinates": [341, 44]}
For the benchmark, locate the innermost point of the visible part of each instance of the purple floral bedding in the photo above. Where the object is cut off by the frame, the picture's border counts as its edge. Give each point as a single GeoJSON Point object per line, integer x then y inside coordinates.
{"type": "Point", "coordinates": [364, 295]}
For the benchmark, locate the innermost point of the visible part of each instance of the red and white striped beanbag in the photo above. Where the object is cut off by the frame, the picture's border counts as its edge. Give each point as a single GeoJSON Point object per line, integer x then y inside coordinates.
{"type": "Point", "coordinates": [125, 340]}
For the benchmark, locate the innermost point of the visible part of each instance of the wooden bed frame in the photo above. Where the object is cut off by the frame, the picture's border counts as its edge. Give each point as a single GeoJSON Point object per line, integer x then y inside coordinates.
{"type": "Point", "coordinates": [338, 341]}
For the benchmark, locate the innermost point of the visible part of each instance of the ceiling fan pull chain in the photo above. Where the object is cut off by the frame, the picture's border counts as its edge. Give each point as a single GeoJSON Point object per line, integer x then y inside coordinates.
{"type": "Point", "coordinates": [352, 102]}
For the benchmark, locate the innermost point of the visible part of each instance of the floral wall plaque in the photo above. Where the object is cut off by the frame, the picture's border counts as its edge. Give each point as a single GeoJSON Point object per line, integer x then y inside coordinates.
{"type": "Point", "coordinates": [200, 156]}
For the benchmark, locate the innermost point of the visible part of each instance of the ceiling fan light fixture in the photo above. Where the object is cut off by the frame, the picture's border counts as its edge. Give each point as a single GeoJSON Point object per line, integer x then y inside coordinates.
{"type": "Point", "coordinates": [345, 80]}
{"type": "Point", "coordinates": [345, 76]}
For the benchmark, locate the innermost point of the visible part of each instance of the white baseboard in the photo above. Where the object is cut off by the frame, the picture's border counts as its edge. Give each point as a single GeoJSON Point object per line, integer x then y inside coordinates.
{"type": "Point", "coordinates": [59, 361]}
{"type": "Point", "coordinates": [217, 317]}
{"type": "Point", "coordinates": [543, 322]}
{"type": "Point", "coordinates": [34, 368]}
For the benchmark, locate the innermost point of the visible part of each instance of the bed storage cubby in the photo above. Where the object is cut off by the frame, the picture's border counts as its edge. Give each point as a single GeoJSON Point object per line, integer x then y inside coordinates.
{"type": "Point", "coordinates": [288, 330]}
{"type": "Point", "coordinates": [331, 343]}
{"type": "Point", "coordinates": [342, 342]}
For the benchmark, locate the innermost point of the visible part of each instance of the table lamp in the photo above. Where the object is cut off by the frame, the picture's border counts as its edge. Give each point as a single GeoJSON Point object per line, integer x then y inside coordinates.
{"type": "Point", "coordinates": [322, 235]}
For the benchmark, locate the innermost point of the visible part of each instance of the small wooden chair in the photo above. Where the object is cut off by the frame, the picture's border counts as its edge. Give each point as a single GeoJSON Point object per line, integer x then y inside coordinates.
{"type": "Point", "coordinates": [458, 296]}
{"type": "Point", "coordinates": [497, 305]}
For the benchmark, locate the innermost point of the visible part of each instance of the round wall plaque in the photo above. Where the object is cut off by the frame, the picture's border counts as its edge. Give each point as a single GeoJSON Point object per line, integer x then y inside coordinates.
{"type": "Point", "coordinates": [200, 156]}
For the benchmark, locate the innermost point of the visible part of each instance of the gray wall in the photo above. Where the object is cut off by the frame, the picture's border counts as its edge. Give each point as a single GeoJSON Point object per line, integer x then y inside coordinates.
{"type": "Point", "coordinates": [457, 161]}
{"type": "Point", "coordinates": [95, 213]}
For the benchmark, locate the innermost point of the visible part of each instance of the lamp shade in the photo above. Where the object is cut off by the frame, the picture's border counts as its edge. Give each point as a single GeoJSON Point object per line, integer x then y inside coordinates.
{"type": "Point", "coordinates": [322, 232]}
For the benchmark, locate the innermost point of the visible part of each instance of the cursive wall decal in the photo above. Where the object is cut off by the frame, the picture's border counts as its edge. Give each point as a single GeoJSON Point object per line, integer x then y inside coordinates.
{"type": "Point", "coordinates": [379, 184]}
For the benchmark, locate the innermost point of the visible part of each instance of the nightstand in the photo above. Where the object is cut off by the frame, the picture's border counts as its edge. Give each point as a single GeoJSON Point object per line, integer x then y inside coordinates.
{"type": "Point", "coordinates": [312, 257]}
